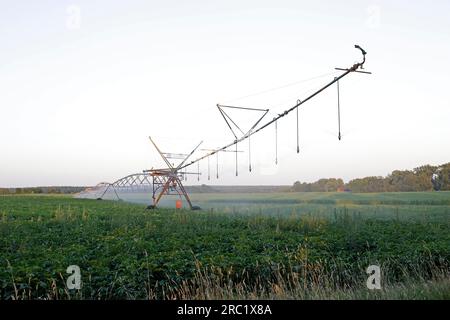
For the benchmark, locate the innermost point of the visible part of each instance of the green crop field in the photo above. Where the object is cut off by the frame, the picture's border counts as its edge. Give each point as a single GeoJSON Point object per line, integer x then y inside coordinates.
{"type": "Point", "coordinates": [256, 246]}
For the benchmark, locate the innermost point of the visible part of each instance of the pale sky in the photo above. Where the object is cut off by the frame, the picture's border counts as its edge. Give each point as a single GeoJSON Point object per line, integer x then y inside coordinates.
{"type": "Point", "coordinates": [84, 83]}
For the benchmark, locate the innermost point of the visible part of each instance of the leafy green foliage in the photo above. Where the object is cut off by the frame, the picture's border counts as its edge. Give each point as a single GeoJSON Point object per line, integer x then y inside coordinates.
{"type": "Point", "coordinates": [419, 179]}
{"type": "Point", "coordinates": [125, 251]}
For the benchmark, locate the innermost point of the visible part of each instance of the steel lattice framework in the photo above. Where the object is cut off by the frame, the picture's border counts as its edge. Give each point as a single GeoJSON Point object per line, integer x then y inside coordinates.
{"type": "Point", "coordinates": [167, 181]}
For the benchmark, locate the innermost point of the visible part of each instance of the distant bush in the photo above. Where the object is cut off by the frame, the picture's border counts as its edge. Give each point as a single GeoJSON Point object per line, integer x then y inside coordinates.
{"type": "Point", "coordinates": [424, 178]}
{"type": "Point", "coordinates": [40, 190]}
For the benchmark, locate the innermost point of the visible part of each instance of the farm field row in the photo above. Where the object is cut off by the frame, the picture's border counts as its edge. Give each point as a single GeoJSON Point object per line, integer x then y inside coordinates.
{"type": "Point", "coordinates": [311, 250]}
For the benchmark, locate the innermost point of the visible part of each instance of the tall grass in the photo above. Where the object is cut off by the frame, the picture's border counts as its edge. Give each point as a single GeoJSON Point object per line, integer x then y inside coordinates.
{"type": "Point", "coordinates": [311, 285]}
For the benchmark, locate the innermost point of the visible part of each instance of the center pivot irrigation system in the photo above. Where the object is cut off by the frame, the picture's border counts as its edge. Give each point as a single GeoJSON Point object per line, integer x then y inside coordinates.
{"type": "Point", "coordinates": [167, 181]}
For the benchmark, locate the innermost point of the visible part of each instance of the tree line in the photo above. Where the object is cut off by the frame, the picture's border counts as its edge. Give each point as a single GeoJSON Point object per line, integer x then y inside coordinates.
{"type": "Point", "coordinates": [424, 178]}
{"type": "Point", "coordinates": [41, 190]}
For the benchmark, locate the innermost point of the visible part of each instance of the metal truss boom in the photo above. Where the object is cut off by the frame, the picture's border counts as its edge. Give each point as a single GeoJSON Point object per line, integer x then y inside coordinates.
{"type": "Point", "coordinates": [167, 181]}
{"type": "Point", "coordinates": [347, 71]}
